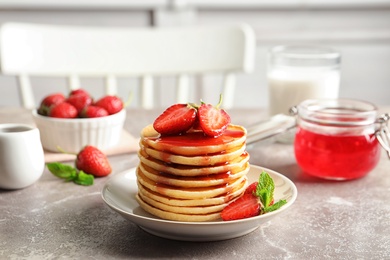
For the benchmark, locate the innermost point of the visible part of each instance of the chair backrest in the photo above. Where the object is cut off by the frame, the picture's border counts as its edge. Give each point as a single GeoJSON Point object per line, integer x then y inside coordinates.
{"type": "Point", "coordinates": [28, 50]}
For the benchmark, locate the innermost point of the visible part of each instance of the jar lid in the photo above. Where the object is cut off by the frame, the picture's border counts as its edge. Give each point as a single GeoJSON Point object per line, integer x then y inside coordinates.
{"type": "Point", "coordinates": [342, 112]}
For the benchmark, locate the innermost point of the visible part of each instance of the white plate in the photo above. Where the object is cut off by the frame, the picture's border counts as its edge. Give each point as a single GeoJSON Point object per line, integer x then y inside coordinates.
{"type": "Point", "coordinates": [120, 190]}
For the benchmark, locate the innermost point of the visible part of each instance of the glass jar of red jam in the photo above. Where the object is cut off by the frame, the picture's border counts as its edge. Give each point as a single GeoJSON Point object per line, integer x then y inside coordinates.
{"type": "Point", "coordinates": [338, 139]}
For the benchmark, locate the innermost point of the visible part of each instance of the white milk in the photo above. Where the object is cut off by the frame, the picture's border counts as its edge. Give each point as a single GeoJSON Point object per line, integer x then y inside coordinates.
{"type": "Point", "coordinates": [289, 87]}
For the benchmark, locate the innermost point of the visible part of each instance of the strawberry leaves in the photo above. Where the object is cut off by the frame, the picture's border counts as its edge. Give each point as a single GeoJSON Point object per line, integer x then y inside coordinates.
{"type": "Point", "coordinates": [69, 173]}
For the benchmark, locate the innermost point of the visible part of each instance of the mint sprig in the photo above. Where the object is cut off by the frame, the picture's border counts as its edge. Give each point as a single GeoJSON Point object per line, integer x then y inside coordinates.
{"type": "Point", "coordinates": [84, 179]}
{"type": "Point", "coordinates": [265, 191]}
{"type": "Point", "coordinates": [69, 173]}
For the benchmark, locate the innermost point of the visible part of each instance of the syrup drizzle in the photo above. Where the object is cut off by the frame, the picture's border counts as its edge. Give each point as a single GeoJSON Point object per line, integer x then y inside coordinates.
{"type": "Point", "coordinates": [199, 138]}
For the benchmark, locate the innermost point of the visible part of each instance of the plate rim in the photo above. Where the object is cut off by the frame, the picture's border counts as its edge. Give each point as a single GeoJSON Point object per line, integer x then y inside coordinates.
{"type": "Point", "coordinates": [191, 223]}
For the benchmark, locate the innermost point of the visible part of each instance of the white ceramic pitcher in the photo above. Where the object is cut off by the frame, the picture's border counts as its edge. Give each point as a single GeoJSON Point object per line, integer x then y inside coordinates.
{"type": "Point", "coordinates": [21, 156]}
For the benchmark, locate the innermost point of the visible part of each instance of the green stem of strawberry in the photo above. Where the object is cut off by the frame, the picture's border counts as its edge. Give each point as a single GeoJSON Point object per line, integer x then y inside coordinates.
{"type": "Point", "coordinates": [193, 105]}
{"type": "Point", "coordinates": [217, 106]}
{"type": "Point", "coordinates": [129, 99]}
{"type": "Point", "coordinates": [63, 151]}
{"type": "Point", "coordinates": [220, 101]}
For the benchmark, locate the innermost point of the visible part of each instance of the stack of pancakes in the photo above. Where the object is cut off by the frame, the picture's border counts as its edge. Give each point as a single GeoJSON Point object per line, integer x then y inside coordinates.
{"type": "Point", "coordinates": [191, 177]}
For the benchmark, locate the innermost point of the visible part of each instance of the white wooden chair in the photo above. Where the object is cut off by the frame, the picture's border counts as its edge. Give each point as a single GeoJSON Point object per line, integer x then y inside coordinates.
{"type": "Point", "coordinates": [28, 50]}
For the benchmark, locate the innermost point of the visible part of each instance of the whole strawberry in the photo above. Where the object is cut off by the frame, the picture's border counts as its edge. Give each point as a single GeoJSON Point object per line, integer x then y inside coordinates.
{"type": "Point", "coordinates": [49, 101]}
{"type": "Point", "coordinates": [175, 119]}
{"type": "Point", "coordinates": [79, 101]}
{"type": "Point", "coordinates": [112, 104]}
{"type": "Point", "coordinates": [93, 161]}
{"type": "Point", "coordinates": [78, 92]}
{"type": "Point", "coordinates": [93, 111]}
{"type": "Point", "coordinates": [63, 110]}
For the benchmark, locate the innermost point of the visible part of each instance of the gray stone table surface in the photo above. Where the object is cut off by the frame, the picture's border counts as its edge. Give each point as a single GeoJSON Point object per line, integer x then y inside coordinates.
{"type": "Point", "coordinates": [329, 220]}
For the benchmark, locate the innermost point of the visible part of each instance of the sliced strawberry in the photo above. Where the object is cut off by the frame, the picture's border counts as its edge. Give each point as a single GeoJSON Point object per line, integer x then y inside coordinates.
{"type": "Point", "coordinates": [213, 120]}
{"type": "Point", "coordinates": [63, 110]}
{"type": "Point", "coordinates": [195, 126]}
{"type": "Point", "coordinates": [79, 101]}
{"type": "Point", "coordinates": [49, 101]}
{"type": "Point", "coordinates": [93, 111]}
{"type": "Point", "coordinates": [251, 189]}
{"type": "Point", "coordinates": [93, 161]}
{"type": "Point", "coordinates": [175, 119]}
{"type": "Point", "coordinates": [245, 206]}
{"type": "Point", "coordinates": [112, 104]}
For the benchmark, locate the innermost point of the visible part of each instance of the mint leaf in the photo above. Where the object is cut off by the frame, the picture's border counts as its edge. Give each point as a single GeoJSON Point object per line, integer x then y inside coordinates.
{"type": "Point", "coordinates": [275, 206]}
{"type": "Point", "coordinates": [62, 171]}
{"type": "Point", "coordinates": [265, 188]}
{"type": "Point", "coordinates": [265, 191]}
{"type": "Point", "coordinates": [70, 173]}
{"type": "Point", "coordinates": [84, 179]}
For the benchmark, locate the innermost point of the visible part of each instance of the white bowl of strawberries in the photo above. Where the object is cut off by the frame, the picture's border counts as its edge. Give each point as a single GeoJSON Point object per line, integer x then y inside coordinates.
{"type": "Point", "coordinates": [68, 123]}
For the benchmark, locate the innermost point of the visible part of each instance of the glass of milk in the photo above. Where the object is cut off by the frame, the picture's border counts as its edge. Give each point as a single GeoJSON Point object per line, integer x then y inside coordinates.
{"type": "Point", "coordinates": [296, 73]}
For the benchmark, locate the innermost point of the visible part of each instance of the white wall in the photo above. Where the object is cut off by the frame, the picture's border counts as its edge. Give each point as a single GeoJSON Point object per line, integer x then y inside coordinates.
{"type": "Point", "coordinates": [361, 35]}
{"type": "Point", "coordinates": [360, 29]}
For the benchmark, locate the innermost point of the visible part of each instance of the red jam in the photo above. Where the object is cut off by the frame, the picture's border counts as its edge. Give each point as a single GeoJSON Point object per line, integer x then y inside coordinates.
{"type": "Point", "coordinates": [199, 139]}
{"type": "Point", "coordinates": [335, 139]}
{"type": "Point", "coordinates": [336, 157]}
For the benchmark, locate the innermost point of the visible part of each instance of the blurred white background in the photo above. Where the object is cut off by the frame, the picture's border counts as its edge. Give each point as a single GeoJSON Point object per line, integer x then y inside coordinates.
{"type": "Point", "coordinates": [359, 29]}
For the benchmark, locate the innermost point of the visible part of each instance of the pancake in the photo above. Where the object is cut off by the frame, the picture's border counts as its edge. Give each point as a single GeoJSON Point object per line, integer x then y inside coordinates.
{"type": "Point", "coordinates": [188, 170]}
{"type": "Point", "coordinates": [200, 160]}
{"type": "Point", "coordinates": [176, 216]}
{"type": "Point", "coordinates": [193, 210]}
{"type": "Point", "coordinates": [193, 182]}
{"type": "Point", "coordinates": [223, 198]}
